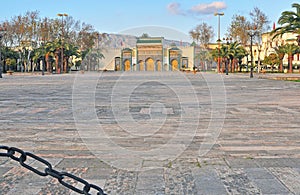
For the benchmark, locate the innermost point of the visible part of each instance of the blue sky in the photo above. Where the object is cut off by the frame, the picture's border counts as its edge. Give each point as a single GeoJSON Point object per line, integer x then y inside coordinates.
{"type": "Point", "coordinates": [167, 18]}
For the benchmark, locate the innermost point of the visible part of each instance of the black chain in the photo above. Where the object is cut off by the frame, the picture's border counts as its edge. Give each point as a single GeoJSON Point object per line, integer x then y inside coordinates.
{"type": "Point", "coordinates": [21, 157]}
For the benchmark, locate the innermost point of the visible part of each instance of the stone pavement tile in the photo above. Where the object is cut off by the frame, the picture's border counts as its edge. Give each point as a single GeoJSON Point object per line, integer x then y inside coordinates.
{"type": "Point", "coordinates": [31, 183]}
{"type": "Point", "coordinates": [207, 181]}
{"type": "Point", "coordinates": [204, 161]}
{"type": "Point", "coordinates": [3, 170]}
{"type": "Point", "coordinates": [288, 177]}
{"type": "Point", "coordinates": [270, 186]}
{"type": "Point", "coordinates": [277, 162]}
{"type": "Point", "coordinates": [97, 173]}
{"type": "Point", "coordinates": [81, 162]}
{"type": "Point", "coordinates": [258, 173]}
{"type": "Point", "coordinates": [266, 181]}
{"type": "Point", "coordinates": [98, 182]}
{"type": "Point", "coordinates": [236, 181]}
{"type": "Point", "coordinates": [150, 181]}
{"type": "Point", "coordinates": [10, 179]}
{"type": "Point", "coordinates": [241, 162]}
{"type": "Point", "coordinates": [179, 180]}
{"type": "Point", "coordinates": [121, 182]}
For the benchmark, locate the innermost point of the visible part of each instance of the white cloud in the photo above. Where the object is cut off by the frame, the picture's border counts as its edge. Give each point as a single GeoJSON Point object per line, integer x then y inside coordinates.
{"type": "Point", "coordinates": [174, 8]}
{"type": "Point", "coordinates": [208, 8]}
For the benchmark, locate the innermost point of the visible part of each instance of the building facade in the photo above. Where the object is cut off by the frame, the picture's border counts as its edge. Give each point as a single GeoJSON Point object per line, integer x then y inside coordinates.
{"type": "Point", "coordinates": [152, 54]}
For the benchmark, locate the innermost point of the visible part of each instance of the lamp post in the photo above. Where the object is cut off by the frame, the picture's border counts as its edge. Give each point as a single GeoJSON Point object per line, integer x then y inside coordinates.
{"type": "Point", "coordinates": [228, 41]}
{"type": "Point", "coordinates": [62, 37]}
{"type": "Point", "coordinates": [251, 33]}
{"type": "Point", "coordinates": [2, 31]}
{"type": "Point", "coordinates": [219, 40]}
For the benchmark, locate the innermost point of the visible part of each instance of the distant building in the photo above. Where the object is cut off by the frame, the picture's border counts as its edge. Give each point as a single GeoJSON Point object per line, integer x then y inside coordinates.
{"type": "Point", "coordinates": [268, 46]}
{"type": "Point", "coordinates": [152, 54]}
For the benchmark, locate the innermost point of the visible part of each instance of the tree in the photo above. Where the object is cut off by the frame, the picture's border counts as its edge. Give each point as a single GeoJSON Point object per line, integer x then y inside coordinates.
{"type": "Point", "coordinates": [69, 50]}
{"type": "Point", "coordinates": [290, 49]}
{"type": "Point", "coordinates": [145, 35]}
{"type": "Point", "coordinates": [290, 23]}
{"type": "Point", "coordinates": [261, 22]}
{"type": "Point", "coordinates": [237, 29]}
{"type": "Point", "coordinates": [9, 58]}
{"type": "Point", "coordinates": [225, 56]}
{"type": "Point", "coordinates": [280, 51]}
{"type": "Point", "coordinates": [241, 53]}
{"type": "Point", "coordinates": [240, 27]}
{"type": "Point", "coordinates": [202, 34]}
{"type": "Point", "coordinates": [235, 51]}
{"type": "Point", "coordinates": [271, 60]}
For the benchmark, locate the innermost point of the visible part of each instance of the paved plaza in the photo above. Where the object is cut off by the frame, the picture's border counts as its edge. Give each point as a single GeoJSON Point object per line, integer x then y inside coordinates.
{"type": "Point", "coordinates": [153, 133]}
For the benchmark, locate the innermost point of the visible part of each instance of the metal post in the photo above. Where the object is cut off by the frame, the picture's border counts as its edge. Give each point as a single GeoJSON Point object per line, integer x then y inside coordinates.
{"type": "Point", "coordinates": [251, 53]}
{"type": "Point", "coordinates": [251, 33]}
{"type": "Point", "coordinates": [1, 65]}
{"type": "Point", "coordinates": [62, 37]}
{"type": "Point", "coordinates": [219, 40]}
{"type": "Point", "coordinates": [43, 66]}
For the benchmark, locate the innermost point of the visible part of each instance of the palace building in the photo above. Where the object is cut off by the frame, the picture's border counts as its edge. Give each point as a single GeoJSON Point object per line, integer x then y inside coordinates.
{"type": "Point", "coordinates": [152, 54]}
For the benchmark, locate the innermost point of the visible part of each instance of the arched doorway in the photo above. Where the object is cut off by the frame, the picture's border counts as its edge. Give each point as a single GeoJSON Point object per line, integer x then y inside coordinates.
{"type": "Point", "coordinates": [158, 65]}
{"type": "Point", "coordinates": [141, 66]}
{"type": "Point", "coordinates": [174, 64]}
{"type": "Point", "coordinates": [149, 64]}
{"type": "Point", "coordinates": [127, 65]}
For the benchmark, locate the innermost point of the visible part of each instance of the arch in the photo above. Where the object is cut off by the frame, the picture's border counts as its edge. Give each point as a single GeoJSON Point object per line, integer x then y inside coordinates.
{"type": "Point", "coordinates": [126, 65]}
{"type": "Point", "coordinates": [150, 64]}
{"type": "Point", "coordinates": [174, 64]}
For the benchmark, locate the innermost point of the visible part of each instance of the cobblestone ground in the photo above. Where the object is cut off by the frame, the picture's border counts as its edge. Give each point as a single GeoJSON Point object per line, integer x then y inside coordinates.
{"type": "Point", "coordinates": [151, 140]}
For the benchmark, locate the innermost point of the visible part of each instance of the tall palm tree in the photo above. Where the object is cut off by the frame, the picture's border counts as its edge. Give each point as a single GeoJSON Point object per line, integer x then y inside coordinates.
{"type": "Point", "coordinates": [280, 51]}
{"type": "Point", "coordinates": [69, 50]}
{"type": "Point", "coordinates": [54, 50]}
{"type": "Point", "coordinates": [290, 49]}
{"type": "Point", "coordinates": [225, 56]}
{"type": "Point", "coordinates": [240, 54]}
{"type": "Point", "coordinates": [233, 50]}
{"type": "Point", "coordinates": [39, 54]}
{"type": "Point", "coordinates": [290, 23]}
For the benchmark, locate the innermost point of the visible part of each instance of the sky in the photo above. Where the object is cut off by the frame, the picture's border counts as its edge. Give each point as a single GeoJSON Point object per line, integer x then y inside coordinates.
{"type": "Point", "coordinates": [172, 19]}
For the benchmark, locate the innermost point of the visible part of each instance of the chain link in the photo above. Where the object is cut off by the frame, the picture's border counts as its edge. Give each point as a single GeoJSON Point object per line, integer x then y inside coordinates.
{"type": "Point", "coordinates": [22, 156]}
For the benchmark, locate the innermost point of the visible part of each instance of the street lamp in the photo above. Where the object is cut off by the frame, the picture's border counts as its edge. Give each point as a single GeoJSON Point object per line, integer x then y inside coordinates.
{"type": "Point", "coordinates": [2, 31]}
{"type": "Point", "coordinates": [43, 41]}
{"type": "Point", "coordinates": [228, 41]}
{"type": "Point", "coordinates": [62, 34]}
{"type": "Point", "coordinates": [251, 33]}
{"type": "Point", "coordinates": [219, 40]}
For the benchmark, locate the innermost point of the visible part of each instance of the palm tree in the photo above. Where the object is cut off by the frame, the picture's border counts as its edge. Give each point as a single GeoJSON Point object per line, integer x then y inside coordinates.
{"type": "Point", "coordinates": [51, 50]}
{"type": "Point", "coordinates": [290, 23]}
{"type": "Point", "coordinates": [39, 54]}
{"type": "Point", "coordinates": [290, 49]}
{"type": "Point", "coordinates": [240, 54]}
{"type": "Point", "coordinates": [8, 53]}
{"type": "Point", "coordinates": [233, 49]}
{"type": "Point", "coordinates": [69, 50]}
{"type": "Point", "coordinates": [225, 56]}
{"type": "Point", "coordinates": [280, 51]}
